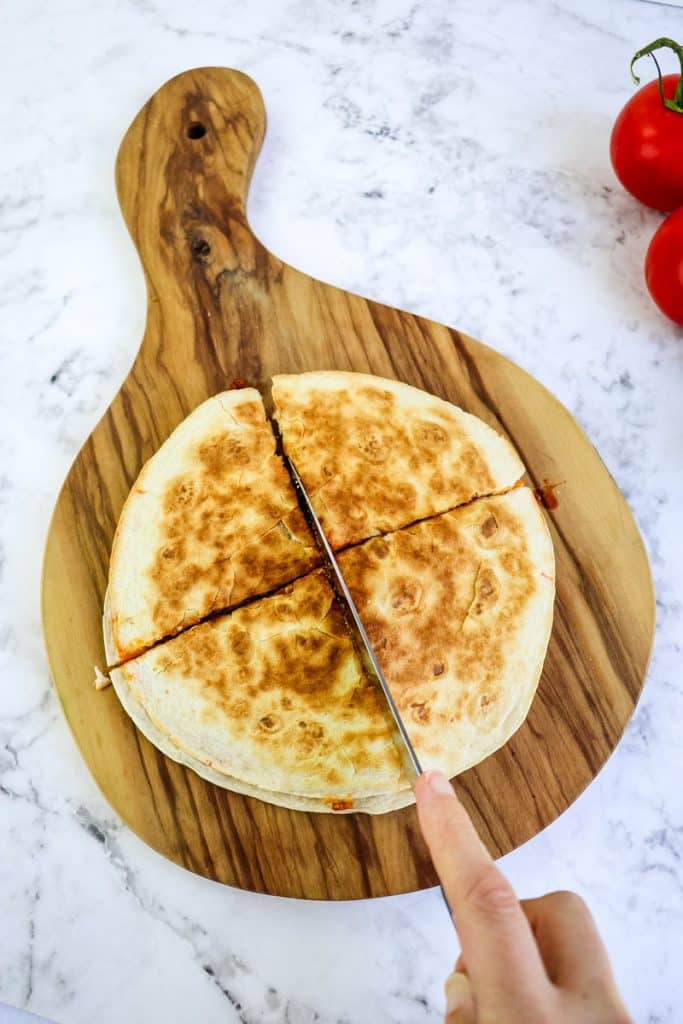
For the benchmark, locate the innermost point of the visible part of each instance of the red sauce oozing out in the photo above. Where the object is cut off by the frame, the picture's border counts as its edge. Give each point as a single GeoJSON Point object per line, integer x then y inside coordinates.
{"type": "Point", "coordinates": [340, 805]}
{"type": "Point", "coordinates": [545, 495]}
{"type": "Point", "coordinates": [240, 382]}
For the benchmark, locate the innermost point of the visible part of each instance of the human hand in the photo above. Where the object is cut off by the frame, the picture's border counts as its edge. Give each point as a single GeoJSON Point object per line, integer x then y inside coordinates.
{"type": "Point", "coordinates": [537, 961]}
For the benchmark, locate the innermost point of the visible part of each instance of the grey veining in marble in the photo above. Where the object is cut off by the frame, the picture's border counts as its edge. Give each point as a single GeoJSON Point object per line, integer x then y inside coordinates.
{"type": "Point", "coordinates": [446, 157]}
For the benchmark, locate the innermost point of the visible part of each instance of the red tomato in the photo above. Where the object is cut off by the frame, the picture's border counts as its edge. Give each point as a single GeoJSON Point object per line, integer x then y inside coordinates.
{"type": "Point", "coordinates": [664, 267]}
{"type": "Point", "coordinates": [647, 147]}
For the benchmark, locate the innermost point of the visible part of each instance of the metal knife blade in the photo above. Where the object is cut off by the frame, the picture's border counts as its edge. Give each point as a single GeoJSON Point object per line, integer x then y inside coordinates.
{"type": "Point", "coordinates": [409, 758]}
{"type": "Point", "coordinates": [405, 748]}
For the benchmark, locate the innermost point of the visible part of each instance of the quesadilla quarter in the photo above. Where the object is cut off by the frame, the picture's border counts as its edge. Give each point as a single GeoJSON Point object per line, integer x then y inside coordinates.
{"type": "Point", "coordinates": [376, 455]}
{"type": "Point", "coordinates": [273, 694]}
{"type": "Point", "coordinates": [211, 520]}
{"type": "Point", "coordinates": [459, 610]}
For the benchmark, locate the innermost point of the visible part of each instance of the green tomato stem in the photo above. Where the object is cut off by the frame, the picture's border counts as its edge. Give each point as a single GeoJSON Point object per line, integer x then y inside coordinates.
{"type": "Point", "coordinates": [676, 104]}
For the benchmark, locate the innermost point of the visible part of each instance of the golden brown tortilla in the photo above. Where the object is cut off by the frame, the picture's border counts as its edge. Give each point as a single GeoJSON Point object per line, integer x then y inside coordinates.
{"type": "Point", "coordinates": [459, 610]}
{"type": "Point", "coordinates": [211, 521]}
{"type": "Point", "coordinates": [377, 454]}
{"type": "Point", "coordinates": [273, 696]}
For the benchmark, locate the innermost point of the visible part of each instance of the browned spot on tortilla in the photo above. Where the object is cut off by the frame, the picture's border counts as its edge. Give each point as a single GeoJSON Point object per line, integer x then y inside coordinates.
{"type": "Point", "coordinates": [420, 712]}
{"type": "Point", "coordinates": [405, 596]}
{"type": "Point", "coordinates": [489, 526]}
{"type": "Point", "coordinates": [270, 723]}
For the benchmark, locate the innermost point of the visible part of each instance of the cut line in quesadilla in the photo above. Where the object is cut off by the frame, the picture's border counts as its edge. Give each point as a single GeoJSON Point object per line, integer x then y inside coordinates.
{"type": "Point", "coordinates": [213, 522]}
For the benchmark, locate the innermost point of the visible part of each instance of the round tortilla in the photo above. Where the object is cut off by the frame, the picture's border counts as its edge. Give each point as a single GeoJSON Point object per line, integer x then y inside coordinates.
{"type": "Point", "coordinates": [273, 695]}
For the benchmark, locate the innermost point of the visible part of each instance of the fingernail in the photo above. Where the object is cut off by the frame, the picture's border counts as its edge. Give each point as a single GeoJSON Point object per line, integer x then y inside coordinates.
{"type": "Point", "coordinates": [457, 991]}
{"type": "Point", "coordinates": [438, 783]}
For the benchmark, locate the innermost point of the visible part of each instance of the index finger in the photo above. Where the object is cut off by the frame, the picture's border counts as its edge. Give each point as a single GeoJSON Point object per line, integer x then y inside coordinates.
{"type": "Point", "coordinates": [503, 962]}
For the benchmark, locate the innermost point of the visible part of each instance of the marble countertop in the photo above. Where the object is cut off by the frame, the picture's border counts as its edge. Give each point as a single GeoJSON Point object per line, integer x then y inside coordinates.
{"type": "Point", "coordinates": [450, 158]}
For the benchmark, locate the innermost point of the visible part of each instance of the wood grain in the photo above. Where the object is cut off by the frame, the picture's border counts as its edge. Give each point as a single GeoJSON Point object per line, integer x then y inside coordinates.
{"type": "Point", "coordinates": [220, 306]}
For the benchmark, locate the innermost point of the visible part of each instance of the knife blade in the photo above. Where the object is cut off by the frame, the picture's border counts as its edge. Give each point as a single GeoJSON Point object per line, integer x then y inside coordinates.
{"type": "Point", "coordinates": [409, 758]}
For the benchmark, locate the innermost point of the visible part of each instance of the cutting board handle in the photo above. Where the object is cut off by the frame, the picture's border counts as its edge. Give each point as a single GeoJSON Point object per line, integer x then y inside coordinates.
{"type": "Point", "coordinates": [205, 128]}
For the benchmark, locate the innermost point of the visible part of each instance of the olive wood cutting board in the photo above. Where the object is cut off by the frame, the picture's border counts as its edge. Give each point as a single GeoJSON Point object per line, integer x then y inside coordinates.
{"type": "Point", "coordinates": [221, 307]}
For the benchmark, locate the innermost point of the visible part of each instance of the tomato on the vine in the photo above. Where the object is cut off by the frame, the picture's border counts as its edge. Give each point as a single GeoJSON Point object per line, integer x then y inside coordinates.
{"type": "Point", "coordinates": [647, 139]}
{"type": "Point", "coordinates": [664, 267]}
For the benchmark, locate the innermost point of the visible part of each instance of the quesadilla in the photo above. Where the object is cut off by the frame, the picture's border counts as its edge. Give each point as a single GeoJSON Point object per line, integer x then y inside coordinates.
{"type": "Point", "coordinates": [272, 700]}
{"type": "Point", "coordinates": [459, 610]}
{"type": "Point", "coordinates": [211, 521]}
{"type": "Point", "coordinates": [376, 455]}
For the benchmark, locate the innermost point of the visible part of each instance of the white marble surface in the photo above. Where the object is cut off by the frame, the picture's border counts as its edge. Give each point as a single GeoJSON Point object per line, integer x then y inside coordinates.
{"type": "Point", "coordinates": [446, 157]}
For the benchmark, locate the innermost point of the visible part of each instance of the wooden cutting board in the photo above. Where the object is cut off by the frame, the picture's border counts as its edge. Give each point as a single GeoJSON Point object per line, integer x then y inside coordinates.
{"type": "Point", "coordinates": [220, 307]}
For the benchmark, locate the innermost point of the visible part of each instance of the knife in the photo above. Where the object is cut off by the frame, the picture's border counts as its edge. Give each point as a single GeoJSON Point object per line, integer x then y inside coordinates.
{"type": "Point", "coordinates": [405, 748]}
{"type": "Point", "coordinates": [409, 758]}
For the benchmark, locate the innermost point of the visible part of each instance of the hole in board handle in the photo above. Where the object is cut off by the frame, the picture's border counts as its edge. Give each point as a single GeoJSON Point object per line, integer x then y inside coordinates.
{"type": "Point", "coordinates": [200, 248]}
{"type": "Point", "coordinates": [196, 130]}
